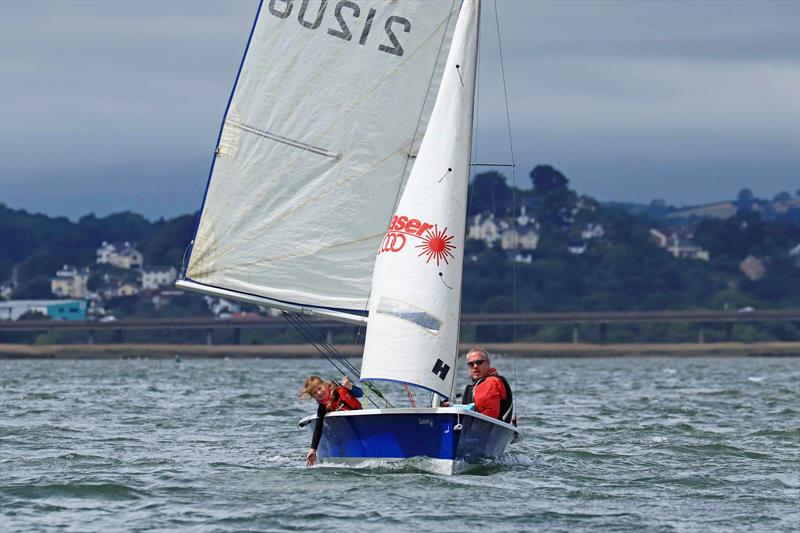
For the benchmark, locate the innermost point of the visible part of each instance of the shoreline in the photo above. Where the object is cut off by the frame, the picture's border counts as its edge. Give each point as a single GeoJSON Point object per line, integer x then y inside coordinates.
{"type": "Point", "coordinates": [304, 351]}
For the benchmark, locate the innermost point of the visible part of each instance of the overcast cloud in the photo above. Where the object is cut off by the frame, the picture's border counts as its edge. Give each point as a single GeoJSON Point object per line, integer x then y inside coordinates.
{"type": "Point", "coordinates": [106, 106]}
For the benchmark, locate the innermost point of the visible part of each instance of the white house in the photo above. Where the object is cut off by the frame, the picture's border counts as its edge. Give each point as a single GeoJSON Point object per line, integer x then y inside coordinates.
{"type": "Point", "coordinates": [521, 238]}
{"type": "Point", "coordinates": [484, 229]}
{"type": "Point", "coordinates": [576, 247]}
{"type": "Point", "coordinates": [523, 219]}
{"type": "Point", "coordinates": [592, 231]}
{"type": "Point", "coordinates": [122, 255]}
{"type": "Point", "coordinates": [154, 277]}
{"type": "Point", "coordinates": [220, 306]}
{"type": "Point", "coordinates": [129, 258]}
{"type": "Point", "coordinates": [679, 247]}
{"type": "Point", "coordinates": [685, 249]}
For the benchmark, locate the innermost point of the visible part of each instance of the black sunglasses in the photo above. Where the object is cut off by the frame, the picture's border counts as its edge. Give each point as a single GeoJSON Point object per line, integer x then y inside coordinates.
{"type": "Point", "coordinates": [476, 363]}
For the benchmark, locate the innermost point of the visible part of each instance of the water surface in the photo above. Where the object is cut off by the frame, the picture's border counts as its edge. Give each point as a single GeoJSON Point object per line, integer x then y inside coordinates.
{"type": "Point", "coordinates": [662, 444]}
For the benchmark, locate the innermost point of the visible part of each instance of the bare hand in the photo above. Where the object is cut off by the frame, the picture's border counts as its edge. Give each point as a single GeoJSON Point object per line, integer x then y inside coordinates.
{"type": "Point", "coordinates": [346, 383]}
{"type": "Point", "coordinates": [311, 457]}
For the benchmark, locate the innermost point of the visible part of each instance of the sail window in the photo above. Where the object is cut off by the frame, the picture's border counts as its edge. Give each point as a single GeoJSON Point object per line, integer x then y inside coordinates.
{"type": "Point", "coordinates": [411, 313]}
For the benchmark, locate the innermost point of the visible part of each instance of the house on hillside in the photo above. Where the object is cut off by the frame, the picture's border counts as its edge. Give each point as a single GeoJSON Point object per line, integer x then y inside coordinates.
{"type": "Point", "coordinates": [127, 289]}
{"type": "Point", "coordinates": [116, 288]}
{"type": "Point", "coordinates": [6, 290]}
{"type": "Point", "coordinates": [524, 219]}
{"type": "Point", "coordinates": [519, 238]}
{"type": "Point", "coordinates": [120, 254]}
{"type": "Point", "coordinates": [70, 282]}
{"type": "Point", "coordinates": [592, 231]}
{"type": "Point", "coordinates": [484, 228]}
{"type": "Point", "coordinates": [154, 277]}
{"type": "Point", "coordinates": [576, 247]}
{"type": "Point", "coordinates": [679, 247]}
{"type": "Point", "coordinates": [753, 268]}
{"type": "Point", "coordinates": [686, 249]}
{"type": "Point", "coordinates": [221, 307]}
{"type": "Point", "coordinates": [794, 252]}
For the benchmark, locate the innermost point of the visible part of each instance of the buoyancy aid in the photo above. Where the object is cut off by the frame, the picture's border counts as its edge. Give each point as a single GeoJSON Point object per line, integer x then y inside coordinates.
{"type": "Point", "coordinates": [506, 405]}
{"type": "Point", "coordinates": [340, 399]}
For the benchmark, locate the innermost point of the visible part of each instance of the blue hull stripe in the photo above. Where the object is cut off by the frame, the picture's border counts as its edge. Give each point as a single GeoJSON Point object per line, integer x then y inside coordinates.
{"type": "Point", "coordinates": [402, 436]}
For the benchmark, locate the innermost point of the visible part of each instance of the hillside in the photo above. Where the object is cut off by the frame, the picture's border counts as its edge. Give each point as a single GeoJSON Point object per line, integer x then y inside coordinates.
{"type": "Point", "coordinates": [581, 254]}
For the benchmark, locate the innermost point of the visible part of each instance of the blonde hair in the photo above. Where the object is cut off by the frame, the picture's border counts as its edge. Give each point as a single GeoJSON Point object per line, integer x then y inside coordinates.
{"type": "Point", "coordinates": [311, 383]}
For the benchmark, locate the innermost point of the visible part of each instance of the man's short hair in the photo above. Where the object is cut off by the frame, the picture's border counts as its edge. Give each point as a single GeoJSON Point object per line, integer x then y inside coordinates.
{"type": "Point", "coordinates": [478, 349]}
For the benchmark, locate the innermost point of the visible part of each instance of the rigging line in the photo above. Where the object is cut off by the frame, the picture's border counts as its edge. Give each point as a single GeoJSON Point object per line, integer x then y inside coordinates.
{"type": "Point", "coordinates": [422, 110]}
{"type": "Point", "coordinates": [410, 396]}
{"type": "Point", "coordinates": [313, 342]}
{"type": "Point", "coordinates": [308, 331]}
{"type": "Point", "coordinates": [513, 193]}
{"type": "Point", "coordinates": [505, 87]}
{"type": "Point", "coordinates": [310, 338]}
{"type": "Point", "coordinates": [330, 352]}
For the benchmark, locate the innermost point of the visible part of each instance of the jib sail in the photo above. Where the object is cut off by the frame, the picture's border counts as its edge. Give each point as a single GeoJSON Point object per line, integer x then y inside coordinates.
{"type": "Point", "coordinates": [416, 288]}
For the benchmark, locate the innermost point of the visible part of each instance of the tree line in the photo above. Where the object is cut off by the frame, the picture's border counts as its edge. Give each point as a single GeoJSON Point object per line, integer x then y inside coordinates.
{"type": "Point", "coordinates": [623, 270]}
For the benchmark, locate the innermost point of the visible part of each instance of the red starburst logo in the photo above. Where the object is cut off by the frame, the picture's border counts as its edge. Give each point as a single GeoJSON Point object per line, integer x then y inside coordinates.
{"type": "Point", "coordinates": [436, 245]}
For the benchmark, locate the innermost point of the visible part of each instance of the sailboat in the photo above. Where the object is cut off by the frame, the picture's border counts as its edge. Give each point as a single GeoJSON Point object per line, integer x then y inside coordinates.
{"type": "Point", "coordinates": [339, 189]}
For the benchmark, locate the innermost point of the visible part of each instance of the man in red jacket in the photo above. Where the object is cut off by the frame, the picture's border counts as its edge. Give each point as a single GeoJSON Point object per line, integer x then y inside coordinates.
{"type": "Point", "coordinates": [489, 390]}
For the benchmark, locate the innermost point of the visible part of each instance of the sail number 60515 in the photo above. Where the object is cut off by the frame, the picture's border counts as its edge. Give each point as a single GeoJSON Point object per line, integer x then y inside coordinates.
{"type": "Point", "coordinates": [343, 11]}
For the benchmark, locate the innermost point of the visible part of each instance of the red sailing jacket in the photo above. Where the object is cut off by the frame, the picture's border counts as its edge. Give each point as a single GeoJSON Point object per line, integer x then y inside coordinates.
{"type": "Point", "coordinates": [340, 399]}
{"type": "Point", "coordinates": [489, 393]}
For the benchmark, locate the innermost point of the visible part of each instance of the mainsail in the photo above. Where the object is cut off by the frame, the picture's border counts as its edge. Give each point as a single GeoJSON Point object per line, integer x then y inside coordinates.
{"type": "Point", "coordinates": [329, 107]}
{"type": "Point", "coordinates": [416, 288]}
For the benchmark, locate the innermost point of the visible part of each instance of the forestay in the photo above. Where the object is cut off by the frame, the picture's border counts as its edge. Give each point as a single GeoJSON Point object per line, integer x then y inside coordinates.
{"type": "Point", "coordinates": [316, 143]}
{"type": "Point", "coordinates": [416, 293]}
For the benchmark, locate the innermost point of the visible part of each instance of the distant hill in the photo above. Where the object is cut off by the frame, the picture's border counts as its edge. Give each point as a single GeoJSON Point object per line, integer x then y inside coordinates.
{"type": "Point", "coordinates": [35, 245]}
{"type": "Point", "coordinates": [589, 255]}
{"type": "Point", "coordinates": [719, 210]}
{"type": "Point", "coordinates": [768, 209]}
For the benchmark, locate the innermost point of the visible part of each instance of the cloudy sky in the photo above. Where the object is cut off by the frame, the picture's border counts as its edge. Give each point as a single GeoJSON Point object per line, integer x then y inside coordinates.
{"type": "Point", "coordinates": [107, 106]}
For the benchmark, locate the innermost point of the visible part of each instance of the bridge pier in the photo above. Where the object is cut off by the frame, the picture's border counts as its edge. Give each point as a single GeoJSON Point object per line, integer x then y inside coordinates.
{"type": "Point", "coordinates": [237, 336]}
{"type": "Point", "coordinates": [728, 331]}
{"type": "Point", "coordinates": [701, 334]}
{"type": "Point", "coordinates": [209, 337]}
{"type": "Point", "coordinates": [90, 340]}
{"type": "Point", "coordinates": [576, 333]}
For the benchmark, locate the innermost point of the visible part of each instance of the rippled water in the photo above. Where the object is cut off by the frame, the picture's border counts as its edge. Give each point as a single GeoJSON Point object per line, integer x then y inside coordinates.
{"type": "Point", "coordinates": [629, 443]}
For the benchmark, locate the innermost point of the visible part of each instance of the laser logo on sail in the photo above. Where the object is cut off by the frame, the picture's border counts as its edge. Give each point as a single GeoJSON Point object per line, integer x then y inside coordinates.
{"type": "Point", "coordinates": [436, 244]}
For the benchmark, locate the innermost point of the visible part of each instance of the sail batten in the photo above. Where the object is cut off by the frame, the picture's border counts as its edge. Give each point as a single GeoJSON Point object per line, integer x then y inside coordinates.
{"type": "Point", "coordinates": [416, 287]}
{"type": "Point", "coordinates": [314, 148]}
